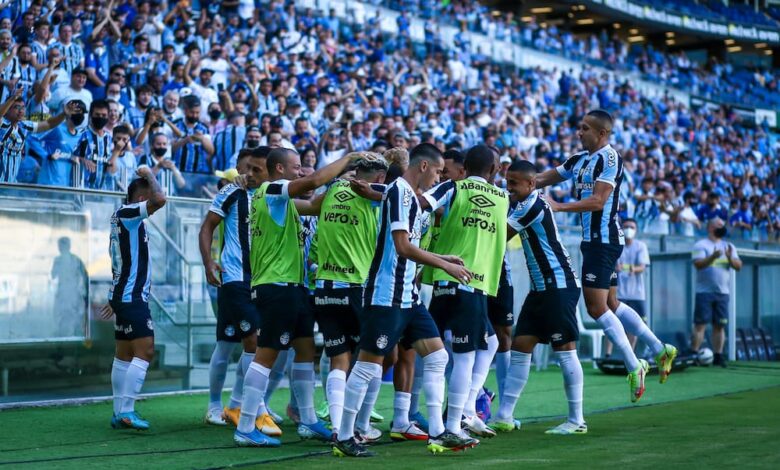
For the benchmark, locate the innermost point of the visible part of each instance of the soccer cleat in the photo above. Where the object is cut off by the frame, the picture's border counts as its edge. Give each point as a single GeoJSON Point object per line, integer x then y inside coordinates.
{"type": "Point", "coordinates": [215, 417]}
{"type": "Point", "coordinates": [115, 423]}
{"type": "Point", "coordinates": [265, 423]}
{"type": "Point", "coordinates": [231, 415]}
{"type": "Point", "coordinates": [323, 412]}
{"type": "Point", "coordinates": [410, 433]}
{"type": "Point", "coordinates": [503, 425]}
{"type": "Point", "coordinates": [636, 381]}
{"type": "Point", "coordinates": [254, 439]}
{"type": "Point", "coordinates": [476, 426]}
{"type": "Point", "coordinates": [350, 448]}
{"type": "Point", "coordinates": [376, 417]}
{"type": "Point", "coordinates": [449, 442]}
{"type": "Point", "coordinates": [568, 428]}
{"type": "Point", "coordinates": [274, 415]}
{"type": "Point", "coordinates": [133, 421]}
{"type": "Point", "coordinates": [518, 423]}
{"type": "Point", "coordinates": [370, 436]}
{"type": "Point", "coordinates": [292, 413]}
{"type": "Point", "coordinates": [316, 430]}
{"type": "Point", "coordinates": [419, 420]}
{"type": "Point", "coordinates": [665, 360]}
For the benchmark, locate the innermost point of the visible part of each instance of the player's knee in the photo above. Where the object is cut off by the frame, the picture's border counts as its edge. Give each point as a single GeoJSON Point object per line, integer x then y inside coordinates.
{"type": "Point", "coordinates": [145, 352]}
{"type": "Point", "coordinates": [570, 346]}
{"type": "Point", "coordinates": [340, 362]}
{"type": "Point", "coordinates": [436, 360]}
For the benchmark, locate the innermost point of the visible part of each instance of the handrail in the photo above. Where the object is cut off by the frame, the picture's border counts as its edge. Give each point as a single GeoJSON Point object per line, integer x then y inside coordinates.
{"type": "Point", "coordinates": [96, 192]}
{"type": "Point", "coordinates": [173, 320]}
{"type": "Point", "coordinates": [168, 315]}
{"type": "Point", "coordinates": [172, 243]}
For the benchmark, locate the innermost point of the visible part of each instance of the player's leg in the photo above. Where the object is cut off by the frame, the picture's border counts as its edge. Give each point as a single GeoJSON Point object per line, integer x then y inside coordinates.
{"type": "Point", "coordinates": [218, 366]}
{"type": "Point", "coordinates": [404, 374]}
{"type": "Point", "coordinates": [517, 377]}
{"type": "Point", "coordinates": [232, 301]}
{"type": "Point", "coordinates": [483, 359]}
{"type": "Point", "coordinates": [122, 358]}
{"type": "Point", "coordinates": [276, 377]}
{"type": "Point", "coordinates": [323, 410]}
{"type": "Point", "coordinates": [136, 322]}
{"type": "Point", "coordinates": [232, 412]}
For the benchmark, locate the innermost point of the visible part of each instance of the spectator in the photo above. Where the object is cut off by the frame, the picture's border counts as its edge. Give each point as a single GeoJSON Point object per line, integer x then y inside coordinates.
{"type": "Point", "coordinates": [159, 160]}
{"type": "Point", "coordinates": [72, 53]}
{"type": "Point", "coordinates": [193, 152]}
{"type": "Point", "coordinates": [713, 258]}
{"type": "Point", "coordinates": [126, 163]}
{"type": "Point", "coordinates": [74, 91]}
{"type": "Point", "coordinates": [741, 221]}
{"type": "Point", "coordinates": [57, 168]}
{"type": "Point", "coordinates": [686, 217]}
{"type": "Point", "coordinates": [95, 150]}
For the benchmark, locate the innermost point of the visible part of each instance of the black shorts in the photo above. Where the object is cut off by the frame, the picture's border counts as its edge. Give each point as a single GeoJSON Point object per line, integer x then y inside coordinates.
{"type": "Point", "coordinates": [132, 320]}
{"type": "Point", "coordinates": [550, 315]}
{"type": "Point", "coordinates": [711, 308]}
{"type": "Point", "coordinates": [285, 315]}
{"type": "Point", "coordinates": [638, 306]}
{"type": "Point", "coordinates": [338, 313]}
{"type": "Point", "coordinates": [464, 313]}
{"type": "Point", "coordinates": [383, 327]}
{"type": "Point", "coordinates": [501, 307]}
{"type": "Point", "coordinates": [598, 264]}
{"type": "Point", "coordinates": [237, 315]}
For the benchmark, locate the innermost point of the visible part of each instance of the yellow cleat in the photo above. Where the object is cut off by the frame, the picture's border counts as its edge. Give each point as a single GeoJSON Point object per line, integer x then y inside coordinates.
{"type": "Point", "coordinates": [665, 360]}
{"type": "Point", "coordinates": [265, 423]}
{"type": "Point", "coordinates": [231, 415]}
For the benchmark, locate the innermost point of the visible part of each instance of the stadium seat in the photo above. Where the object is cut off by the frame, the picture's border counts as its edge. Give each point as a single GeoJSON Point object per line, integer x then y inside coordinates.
{"type": "Point", "coordinates": [740, 342]}
{"type": "Point", "coordinates": [758, 339]}
{"type": "Point", "coordinates": [596, 336]}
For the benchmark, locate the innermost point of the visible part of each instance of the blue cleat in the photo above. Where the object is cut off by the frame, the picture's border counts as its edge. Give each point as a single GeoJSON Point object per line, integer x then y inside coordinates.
{"type": "Point", "coordinates": [132, 420]}
{"type": "Point", "coordinates": [420, 420]}
{"type": "Point", "coordinates": [254, 439]}
{"type": "Point", "coordinates": [317, 430]}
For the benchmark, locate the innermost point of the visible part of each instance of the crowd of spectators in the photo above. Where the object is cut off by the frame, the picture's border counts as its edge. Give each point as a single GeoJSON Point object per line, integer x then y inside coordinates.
{"type": "Point", "coordinates": [182, 87]}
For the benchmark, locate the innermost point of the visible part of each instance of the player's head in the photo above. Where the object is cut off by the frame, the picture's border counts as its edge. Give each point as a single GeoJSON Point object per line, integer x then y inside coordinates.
{"type": "Point", "coordinates": [453, 166]}
{"type": "Point", "coordinates": [595, 129]}
{"type": "Point", "coordinates": [138, 190]}
{"type": "Point", "coordinates": [520, 180]}
{"type": "Point", "coordinates": [283, 164]}
{"type": "Point", "coordinates": [371, 171]}
{"type": "Point", "coordinates": [480, 161]}
{"type": "Point", "coordinates": [426, 159]}
{"type": "Point", "coordinates": [253, 164]}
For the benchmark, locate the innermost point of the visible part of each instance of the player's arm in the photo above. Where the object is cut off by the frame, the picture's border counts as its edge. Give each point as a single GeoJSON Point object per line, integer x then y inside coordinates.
{"type": "Point", "coordinates": [205, 239]}
{"type": "Point", "coordinates": [372, 192]}
{"type": "Point", "coordinates": [157, 197]}
{"type": "Point", "coordinates": [549, 178]}
{"type": "Point", "coordinates": [593, 203]}
{"type": "Point", "coordinates": [407, 250]}
{"type": "Point", "coordinates": [510, 232]}
{"type": "Point", "coordinates": [310, 207]}
{"type": "Point", "coordinates": [323, 175]}
{"type": "Point", "coordinates": [438, 196]}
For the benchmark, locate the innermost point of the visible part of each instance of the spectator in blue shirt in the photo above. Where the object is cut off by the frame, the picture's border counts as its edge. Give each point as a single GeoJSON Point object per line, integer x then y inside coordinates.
{"type": "Point", "coordinates": [741, 221]}
{"type": "Point", "coordinates": [57, 168]}
{"type": "Point", "coordinates": [711, 210]}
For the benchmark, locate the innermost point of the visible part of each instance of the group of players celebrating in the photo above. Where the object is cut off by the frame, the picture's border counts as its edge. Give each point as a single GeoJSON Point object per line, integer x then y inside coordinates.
{"type": "Point", "coordinates": [342, 245]}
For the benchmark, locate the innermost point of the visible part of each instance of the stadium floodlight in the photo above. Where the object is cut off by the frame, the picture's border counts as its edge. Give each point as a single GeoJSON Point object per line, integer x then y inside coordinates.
{"type": "Point", "coordinates": [583, 21]}
{"type": "Point", "coordinates": [734, 49]}
{"type": "Point", "coordinates": [541, 10]}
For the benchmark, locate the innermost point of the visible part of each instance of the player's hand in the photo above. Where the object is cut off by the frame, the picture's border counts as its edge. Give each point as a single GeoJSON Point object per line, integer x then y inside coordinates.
{"type": "Point", "coordinates": [240, 181]}
{"type": "Point", "coordinates": [452, 259]}
{"type": "Point", "coordinates": [144, 172]}
{"type": "Point", "coordinates": [213, 273]}
{"type": "Point", "coordinates": [555, 206]}
{"type": "Point", "coordinates": [360, 187]}
{"type": "Point", "coordinates": [459, 272]}
{"type": "Point", "coordinates": [106, 312]}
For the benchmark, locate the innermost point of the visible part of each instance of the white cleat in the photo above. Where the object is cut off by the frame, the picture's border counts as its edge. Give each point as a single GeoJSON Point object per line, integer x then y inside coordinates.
{"type": "Point", "coordinates": [368, 436]}
{"type": "Point", "coordinates": [215, 417]}
{"type": "Point", "coordinates": [568, 428]}
{"type": "Point", "coordinates": [476, 426]}
{"type": "Point", "coordinates": [274, 416]}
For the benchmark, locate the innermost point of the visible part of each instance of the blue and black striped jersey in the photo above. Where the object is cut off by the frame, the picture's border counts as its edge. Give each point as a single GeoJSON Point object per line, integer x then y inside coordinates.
{"type": "Point", "coordinates": [129, 250]}
{"type": "Point", "coordinates": [232, 204]}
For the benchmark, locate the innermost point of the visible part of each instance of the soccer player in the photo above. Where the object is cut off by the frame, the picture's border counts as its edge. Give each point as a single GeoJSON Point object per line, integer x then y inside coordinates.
{"type": "Point", "coordinates": [237, 317]}
{"type": "Point", "coordinates": [276, 256]}
{"type": "Point", "coordinates": [129, 297]}
{"type": "Point", "coordinates": [346, 239]}
{"type": "Point", "coordinates": [549, 312]}
{"type": "Point", "coordinates": [473, 227]}
{"type": "Point", "coordinates": [598, 173]}
{"type": "Point", "coordinates": [392, 309]}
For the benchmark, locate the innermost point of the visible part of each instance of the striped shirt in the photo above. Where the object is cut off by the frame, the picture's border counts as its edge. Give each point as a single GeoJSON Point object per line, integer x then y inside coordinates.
{"type": "Point", "coordinates": [548, 262]}
{"type": "Point", "coordinates": [391, 276]}
{"type": "Point", "coordinates": [232, 205]}
{"type": "Point", "coordinates": [26, 74]}
{"type": "Point", "coordinates": [97, 149]}
{"type": "Point", "coordinates": [129, 250]}
{"type": "Point", "coordinates": [227, 143]}
{"type": "Point", "coordinates": [41, 52]}
{"type": "Point", "coordinates": [12, 138]}
{"type": "Point", "coordinates": [72, 55]}
{"type": "Point", "coordinates": [586, 170]}
{"type": "Point", "coordinates": [192, 157]}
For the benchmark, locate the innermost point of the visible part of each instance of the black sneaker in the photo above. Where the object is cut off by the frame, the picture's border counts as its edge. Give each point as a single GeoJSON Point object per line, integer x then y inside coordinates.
{"type": "Point", "coordinates": [719, 360]}
{"type": "Point", "coordinates": [448, 441]}
{"type": "Point", "coordinates": [350, 448]}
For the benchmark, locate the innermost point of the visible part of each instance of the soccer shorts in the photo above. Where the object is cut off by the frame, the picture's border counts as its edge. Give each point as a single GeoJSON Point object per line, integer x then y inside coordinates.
{"type": "Point", "coordinates": [237, 315]}
{"type": "Point", "coordinates": [638, 306]}
{"type": "Point", "coordinates": [133, 320]}
{"type": "Point", "coordinates": [285, 314]}
{"type": "Point", "coordinates": [464, 313]}
{"type": "Point", "coordinates": [338, 313]}
{"type": "Point", "coordinates": [710, 307]}
{"type": "Point", "coordinates": [550, 316]}
{"type": "Point", "coordinates": [501, 307]}
{"type": "Point", "coordinates": [598, 264]}
{"type": "Point", "coordinates": [383, 327]}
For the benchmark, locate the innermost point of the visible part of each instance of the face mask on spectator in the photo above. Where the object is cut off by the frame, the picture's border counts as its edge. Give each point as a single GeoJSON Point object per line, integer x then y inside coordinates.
{"type": "Point", "coordinates": [99, 122]}
{"type": "Point", "coordinates": [191, 120]}
{"type": "Point", "coordinates": [215, 114]}
{"type": "Point", "coordinates": [252, 143]}
{"type": "Point", "coordinates": [77, 119]}
{"type": "Point", "coordinates": [113, 97]}
{"type": "Point", "coordinates": [629, 232]}
{"type": "Point", "coordinates": [159, 152]}
{"type": "Point", "coordinates": [720, 232]}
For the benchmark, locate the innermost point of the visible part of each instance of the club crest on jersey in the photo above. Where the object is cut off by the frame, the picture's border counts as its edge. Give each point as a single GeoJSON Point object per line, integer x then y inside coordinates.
{"type": "Point", "coordinates": [245, 326]}
{"type": "Point", "coordinates": [229, 330]}
{"type": "Point", "coordinates": [381, 342]}
{"type": "Point", "coordinates": [481, 201]}
{"type": "Point", "coordinates": [284, 339]}
{"type": "Point", "coordinates": [149, 324]}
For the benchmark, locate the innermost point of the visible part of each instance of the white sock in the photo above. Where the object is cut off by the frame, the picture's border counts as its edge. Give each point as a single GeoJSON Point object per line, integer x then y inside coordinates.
{"type": "Point", "coordinates": [288, 368]}
{"type": "Point", "coordinates": [460, 385]}
{"type": "Point", "coordinates": [634, 325]}
{"type": "Point", "coordinates": [334, 392]}
{"type": "Point", "coordinates": [573, 383]}
{"type": "Point", "coordinates": [303, 385]}
{"type": "Point", "coordinates": [615, 332]}
{"type": "Point", "coordinates": [217, 372]}
{"type": "Point", "coordinates": [448, 347]}
{"type": "Point", "coordinates": [481, 370]}
{"type": "Point", "coordinates": [364, 416]}
{"type": "Point", "coordinates": [357, 385]}
{"type": "Point", "coordinates": [516, 378]}
{"type": "Point", "coordinates": [502, 366]}
{"type": "Point", "coordinates": [238, 387]}
{"type": "Point", "coordinates": [134, 381]}
{"type": "Point", "coordinates": [401, 403]}
{"type": "Point", "coordinates": [414, 404]}
{"type": "Point", "coordinates": [118, 377]}
{"type": "Point", "coordinates": [433, 383]}
{"type": "Point", "coordinates": [255, 383]}
{"type": "Point", "coordinates": [324, 371]}
{"type": "Point", "coordinates": [277, 375]}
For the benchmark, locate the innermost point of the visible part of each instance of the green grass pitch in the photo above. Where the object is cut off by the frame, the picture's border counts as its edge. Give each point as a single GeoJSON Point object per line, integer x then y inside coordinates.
{"type": "Point", "coordinates": [700, 418]}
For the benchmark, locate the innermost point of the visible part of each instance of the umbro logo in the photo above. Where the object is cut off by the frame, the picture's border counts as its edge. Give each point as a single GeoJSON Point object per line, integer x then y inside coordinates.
{"type": "Point", "coordinates": [343, 196]}
{"type": "Point", "coordinates": [481, 201]}
{"type": "Point", "coordinates": [590, 277]}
